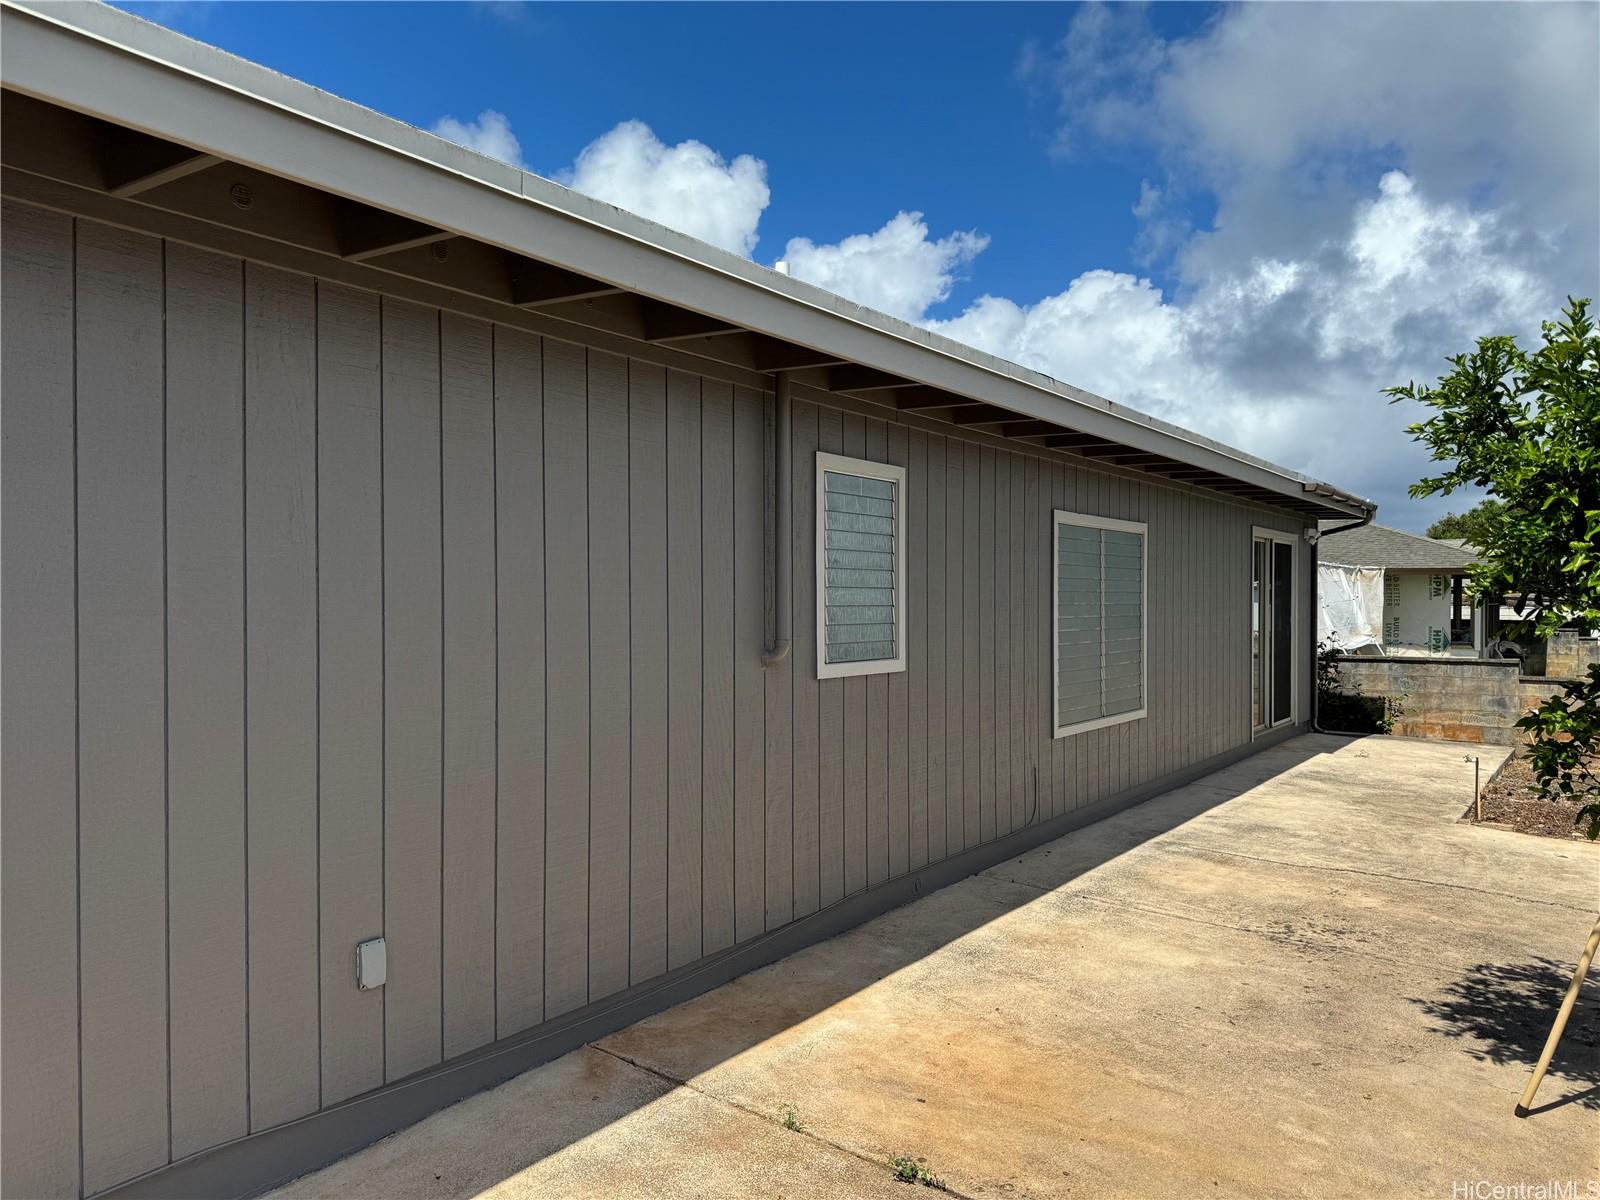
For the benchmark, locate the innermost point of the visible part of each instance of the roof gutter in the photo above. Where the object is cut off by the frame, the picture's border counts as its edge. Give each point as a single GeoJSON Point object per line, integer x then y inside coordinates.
{"type": "Point", "coordinates": [1327, 490]}
{"type": "Point", "coordinates": [1366, 520]}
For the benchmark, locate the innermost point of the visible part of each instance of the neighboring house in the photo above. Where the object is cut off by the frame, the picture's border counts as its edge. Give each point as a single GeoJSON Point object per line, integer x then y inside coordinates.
{"type": "Point", "coordinates": [1499, 628]}
{"type": "Point", "coordinates": [1424, 606]}
{"type": "Point", "coordinates": [1568, 652]}
{"type": "Point", "coordinates": [448, 618]}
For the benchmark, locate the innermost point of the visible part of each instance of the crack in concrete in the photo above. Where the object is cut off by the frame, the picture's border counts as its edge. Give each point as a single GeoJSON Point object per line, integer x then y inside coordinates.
{"type": "Point", "coordinates": [1197, 848]}
{"type": "Point", "coordinates": [1281, 937]}
{"type": "Point", "coordinates": [1439, 883]}
{"type": "Point", "coordinates": [668, 1077]}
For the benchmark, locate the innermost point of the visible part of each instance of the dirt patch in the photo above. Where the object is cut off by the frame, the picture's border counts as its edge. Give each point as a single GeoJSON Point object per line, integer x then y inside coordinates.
{"type": "Point", "coordinates": [1513, 801]}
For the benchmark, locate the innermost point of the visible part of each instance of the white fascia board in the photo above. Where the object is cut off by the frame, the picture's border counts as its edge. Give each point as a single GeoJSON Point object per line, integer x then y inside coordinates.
{"type": "Point", "coordinates": [105, 63]}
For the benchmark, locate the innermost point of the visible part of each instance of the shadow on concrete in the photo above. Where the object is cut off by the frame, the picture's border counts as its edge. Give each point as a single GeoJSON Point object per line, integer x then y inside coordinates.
{"type": "Point", "coordinates": [581, 1095]}
{"type": "Point", "coordinates": [1501, 1013]}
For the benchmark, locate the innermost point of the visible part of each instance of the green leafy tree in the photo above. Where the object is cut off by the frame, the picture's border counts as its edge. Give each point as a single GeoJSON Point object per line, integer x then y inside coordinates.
{"type": "Point", "coordinates": [1468, 526]}
{"type": "Point", "coordinates": [1525, 427]}
{"type": "Point", "coordinates": [1566, 735]}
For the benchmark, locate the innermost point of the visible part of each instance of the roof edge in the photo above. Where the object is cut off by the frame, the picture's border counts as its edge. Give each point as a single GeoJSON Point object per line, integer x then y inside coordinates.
{"type": "Point", "coordinates": [266, 119]}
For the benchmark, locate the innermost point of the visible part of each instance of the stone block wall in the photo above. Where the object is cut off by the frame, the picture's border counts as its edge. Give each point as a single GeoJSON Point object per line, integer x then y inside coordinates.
{"type": "Point", "coordinates": [1568, 655]}
{"type": "Point", "coordinates": [1451, 699]}
{"type": "Point", "coordinates": [1536, 689]}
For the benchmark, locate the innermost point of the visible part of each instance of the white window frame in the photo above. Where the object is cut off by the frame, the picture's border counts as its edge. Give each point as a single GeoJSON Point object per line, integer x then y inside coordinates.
{"type": "Point", "coordinates": [1063, 517]}
{"type": "Point", "coordinates": [840, 464]}
{"type": "Point", "coordinates": [1296, 602]}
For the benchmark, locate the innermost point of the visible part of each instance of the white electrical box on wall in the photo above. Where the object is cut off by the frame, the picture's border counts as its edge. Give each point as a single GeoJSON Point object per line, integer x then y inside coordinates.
{"type": "Point", "coordinates": [372, 964]}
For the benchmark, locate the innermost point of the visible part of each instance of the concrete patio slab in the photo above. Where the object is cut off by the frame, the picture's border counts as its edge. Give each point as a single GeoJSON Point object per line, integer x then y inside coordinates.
{"type": "Point", "coordinates": [1300, 976]}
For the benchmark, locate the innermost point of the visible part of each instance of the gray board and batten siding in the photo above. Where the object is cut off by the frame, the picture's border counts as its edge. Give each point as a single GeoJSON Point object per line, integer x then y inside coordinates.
{"type": "Point", "coordinates": [329, 614]}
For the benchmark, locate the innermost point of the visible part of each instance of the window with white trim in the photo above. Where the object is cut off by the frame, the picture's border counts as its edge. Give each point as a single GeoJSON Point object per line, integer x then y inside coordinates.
{"type": "Point", "coordinates": [861, 568]}
{"type": "Point", "coordinates": [1099, 621]}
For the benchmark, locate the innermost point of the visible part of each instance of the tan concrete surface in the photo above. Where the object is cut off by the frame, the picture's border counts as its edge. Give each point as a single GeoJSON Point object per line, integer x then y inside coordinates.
{"type": "Point", "coordinates": [1301, 976]}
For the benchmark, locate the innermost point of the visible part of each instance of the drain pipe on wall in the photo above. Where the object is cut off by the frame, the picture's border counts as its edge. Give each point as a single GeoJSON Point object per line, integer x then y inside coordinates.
{"type": "Point", "coordinates": [1316, 692]}
{"type": "Point", "coordinates": [780, 550]}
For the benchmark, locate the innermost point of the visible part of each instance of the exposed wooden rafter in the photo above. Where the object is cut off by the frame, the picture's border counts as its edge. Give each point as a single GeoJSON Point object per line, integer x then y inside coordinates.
{"type": "Point", "coordinates": [773, 354]}
{"type": "Point", "coordinates": [142, 181]}
{"type": "Point", "coordinates": [863, 379]}
{"type": "Point", "coordinates": [133, 163]}
{"type": "Point", "coordinates": [1140, 460]}
{"type": "Point", "coordinates": [537, 285]}
{"type": "Point", "coordinates": [927, 399]}
{"type": "Point", "coordinates": [368, 233]}
{"type": "Point", "coordinates": [1027, 428]}
{"type": "Point", "coordinates": [1082, 442]}
{"type": "Point", "coordinates": [667, 323]}
{"type": "Point", "coordinates": [982, 414]}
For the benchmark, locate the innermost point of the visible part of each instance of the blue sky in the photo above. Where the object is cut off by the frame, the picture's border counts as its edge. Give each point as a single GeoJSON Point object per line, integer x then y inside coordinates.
{"type": "Point", "coordinates": [859, 111]}
{"type": "Point", "coordinates": [1244, 219]}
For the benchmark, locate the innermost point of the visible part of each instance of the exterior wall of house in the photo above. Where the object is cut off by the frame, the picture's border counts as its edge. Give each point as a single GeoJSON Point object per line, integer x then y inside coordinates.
{"type": "Point", "coordinates": [1416, 611]}
{"type": "Point", "coordinates": [330, 615]}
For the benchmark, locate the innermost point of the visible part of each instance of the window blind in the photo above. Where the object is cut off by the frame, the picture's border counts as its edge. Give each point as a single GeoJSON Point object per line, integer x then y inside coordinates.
{"type": "Point", "coordinates": [859, 600]}
{"type": "Point", "coordinates": [1100, 622]}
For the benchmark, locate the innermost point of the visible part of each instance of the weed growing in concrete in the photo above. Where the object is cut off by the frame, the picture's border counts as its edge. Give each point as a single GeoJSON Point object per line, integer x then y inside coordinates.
{"type": "Point", "coordinates": [791, 1119]}
{"type": "Point", "coordinates": [910, 1170]}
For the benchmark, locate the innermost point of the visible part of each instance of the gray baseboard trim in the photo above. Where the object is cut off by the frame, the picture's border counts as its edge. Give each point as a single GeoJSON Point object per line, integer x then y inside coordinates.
{"type": "Point", "coordinates": [260, 1161]}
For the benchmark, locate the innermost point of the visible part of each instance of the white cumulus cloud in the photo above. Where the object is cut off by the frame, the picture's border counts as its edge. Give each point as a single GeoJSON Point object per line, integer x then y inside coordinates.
{"type": "Point", "coordinates": [688, 187]}
{"type": "Point", "coordinates": [1108, 332]}
{"type": "Point", "coordinates": [1285, 112]}
{"type": "Point", "coordinates": [898, 270]}
{"type": "Point", "coordinates": [490, 134]}
{"type": "Point", "coordinates": [1390, 183]}
{"type": "Point", "coordinates": [1285, 357]}
{"type": "Point", "coordinates": [1384, 183]}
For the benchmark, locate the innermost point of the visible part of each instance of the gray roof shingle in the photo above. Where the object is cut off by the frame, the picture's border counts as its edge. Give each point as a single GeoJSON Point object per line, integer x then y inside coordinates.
{"type": "Point", "coordinates": [1392, 549]}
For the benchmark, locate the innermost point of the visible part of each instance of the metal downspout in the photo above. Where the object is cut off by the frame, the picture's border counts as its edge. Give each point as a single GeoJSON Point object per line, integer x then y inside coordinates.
{"type": "Point", "coordinates": [780, 558]}
{"type": "Point", "coordinates": [1316, 692]}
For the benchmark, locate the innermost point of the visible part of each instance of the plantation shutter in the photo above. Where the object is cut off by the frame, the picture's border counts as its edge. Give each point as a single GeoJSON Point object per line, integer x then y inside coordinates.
{"type": "Point", "coordinates": [1123, 678]}
{"type": "Point", "coordinates": [859, 600]}
{"type": "Point", "coordinates": [1099, 623]}
{"type": "Point", "coordinates": [1078, 625]}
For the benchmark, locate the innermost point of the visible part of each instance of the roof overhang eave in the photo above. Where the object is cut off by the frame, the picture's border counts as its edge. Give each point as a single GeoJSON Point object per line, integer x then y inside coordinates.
{"type": "Point", "coordinates": [185, 98]}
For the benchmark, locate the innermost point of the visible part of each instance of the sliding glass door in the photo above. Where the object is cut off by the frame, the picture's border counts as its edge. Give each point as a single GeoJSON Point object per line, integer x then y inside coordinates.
{"type": "Point", "coordinates": [1272, 629]}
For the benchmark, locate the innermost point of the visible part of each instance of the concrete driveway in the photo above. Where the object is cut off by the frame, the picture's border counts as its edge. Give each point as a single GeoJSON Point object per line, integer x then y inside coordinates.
{"type": "Point", "coordinates": [1300, 976]}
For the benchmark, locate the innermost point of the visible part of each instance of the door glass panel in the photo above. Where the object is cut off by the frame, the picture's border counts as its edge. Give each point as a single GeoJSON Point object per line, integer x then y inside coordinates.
{"type": "Point", "coordinates": [1271, 632]}
{"type": "Point", "coordinates": [1257, 648]}
{"type": "Point", "coordinates": [1282, 631]}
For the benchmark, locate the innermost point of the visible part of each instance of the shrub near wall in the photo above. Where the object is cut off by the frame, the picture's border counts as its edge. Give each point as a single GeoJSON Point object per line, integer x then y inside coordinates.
{"type": "Point", "coordinates": [1344, 712]}
{"type": "Point", "coordinates": [1339, 711]}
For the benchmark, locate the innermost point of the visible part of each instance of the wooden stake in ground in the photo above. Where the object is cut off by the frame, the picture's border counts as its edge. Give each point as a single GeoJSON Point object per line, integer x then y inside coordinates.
{"type": "Point", "coordinates": [1556, 1030]}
